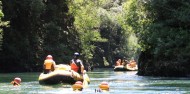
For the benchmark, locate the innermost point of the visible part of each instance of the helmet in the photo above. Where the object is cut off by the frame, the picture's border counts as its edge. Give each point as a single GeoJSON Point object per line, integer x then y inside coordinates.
{"type": "Point", "coordinates": [49, 57]}
{"type": "Point", "coordinates": [18, 80]}
{"type": "Point", "coordinates": [76, 54]}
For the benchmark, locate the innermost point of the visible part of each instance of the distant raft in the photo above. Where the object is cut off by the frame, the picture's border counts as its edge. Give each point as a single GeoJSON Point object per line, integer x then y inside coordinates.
{"type": "Point", "coordinates": [128, 67]}
{"type": "Point", "coordinates": [62, 74]}
{"type": "Point", "coordinates": [131, 67]}
{"type": "Point", "coordinates": [120, 68]}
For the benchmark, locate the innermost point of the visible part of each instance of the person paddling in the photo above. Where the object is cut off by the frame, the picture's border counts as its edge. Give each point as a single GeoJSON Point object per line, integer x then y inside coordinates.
{"type": "Point", "coordinates": [49, 64]}
{"type": "Point", "coordinates": [76, 64]}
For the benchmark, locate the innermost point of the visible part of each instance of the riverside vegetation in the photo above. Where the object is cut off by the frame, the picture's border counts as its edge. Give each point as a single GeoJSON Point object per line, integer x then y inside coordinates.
{"type": "Point", "coordinates": [153, 32]}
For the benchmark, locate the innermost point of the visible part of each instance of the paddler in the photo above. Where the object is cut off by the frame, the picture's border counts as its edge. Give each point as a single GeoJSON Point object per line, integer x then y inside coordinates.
{"type": "Point", "coordinates": [132, 63]}
{"type": "Point", "coordinates": [49, 64]}
{"type": "Point", "coordinates": [76, 64]}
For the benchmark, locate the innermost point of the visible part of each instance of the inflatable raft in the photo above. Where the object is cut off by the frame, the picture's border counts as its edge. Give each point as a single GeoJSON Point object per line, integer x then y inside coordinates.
{"type": "Point", "coordinates": [120, 68]}
{"type": "Point", "coordinates": [131, 68]}
{"type": "Point", "coordinates": [62, 74]}
{"type": "Point", "coordinates": [128, 67]}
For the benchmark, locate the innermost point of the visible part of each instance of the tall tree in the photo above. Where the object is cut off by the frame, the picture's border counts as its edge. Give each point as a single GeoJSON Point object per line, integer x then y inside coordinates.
{"type": "Point", "coordinates": [20, 40]}
{"type": "Point", "coordinates": [37, 28]}
{"type": "Point", "coordinates": [60, 38]}
{"type": "Point", "coordinates": [2, 24]}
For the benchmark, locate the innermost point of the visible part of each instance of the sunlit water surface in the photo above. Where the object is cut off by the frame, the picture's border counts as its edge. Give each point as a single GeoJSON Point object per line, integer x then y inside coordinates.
{"type": "Point", "coordinates": [119, 82]}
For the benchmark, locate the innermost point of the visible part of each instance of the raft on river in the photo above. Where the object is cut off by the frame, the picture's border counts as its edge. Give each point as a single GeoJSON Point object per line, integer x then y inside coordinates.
{"type": "Point", "coordinates": [62, 74]}
{"type": "Point", "coordinates": [128, 67]}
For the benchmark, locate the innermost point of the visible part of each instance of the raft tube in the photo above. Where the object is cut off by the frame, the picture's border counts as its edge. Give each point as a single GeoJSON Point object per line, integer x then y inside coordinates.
{"type": "Point", "coordinates": [120, 68]}
{"type": "Point", "coordinates": [60, 75]}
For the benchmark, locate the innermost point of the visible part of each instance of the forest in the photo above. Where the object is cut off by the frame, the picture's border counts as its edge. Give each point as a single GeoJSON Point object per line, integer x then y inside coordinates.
{"type": "Point", "coordinates": [153, 32]}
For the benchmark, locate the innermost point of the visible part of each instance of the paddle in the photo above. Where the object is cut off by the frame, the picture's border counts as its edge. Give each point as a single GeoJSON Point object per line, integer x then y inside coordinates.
{"type": "Point", "coordinates": [85, 80]}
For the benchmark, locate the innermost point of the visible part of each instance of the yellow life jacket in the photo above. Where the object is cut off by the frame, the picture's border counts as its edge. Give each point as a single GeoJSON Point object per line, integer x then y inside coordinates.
{"type": "Point", "coordinates": [48, 64]}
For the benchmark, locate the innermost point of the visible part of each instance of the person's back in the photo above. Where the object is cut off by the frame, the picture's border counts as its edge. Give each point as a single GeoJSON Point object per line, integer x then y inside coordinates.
{"type": "Point", "coordinates": [49, 64]}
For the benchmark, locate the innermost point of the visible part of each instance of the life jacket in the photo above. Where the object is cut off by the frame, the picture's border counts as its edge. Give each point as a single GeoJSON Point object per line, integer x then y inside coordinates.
{"type": "Point", "coordinates": [48, 64]}
{"type": "Point", "coordinates": [133, 64]}
{"type": "Point", "coordinates": [76, 66]}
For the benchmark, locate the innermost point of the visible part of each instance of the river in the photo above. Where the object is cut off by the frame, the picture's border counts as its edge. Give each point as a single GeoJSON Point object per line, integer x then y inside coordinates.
{"type": "Point", "coordinates": [119, 82]}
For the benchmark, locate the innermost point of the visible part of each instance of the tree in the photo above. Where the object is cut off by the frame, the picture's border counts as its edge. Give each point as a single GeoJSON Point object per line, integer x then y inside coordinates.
{"type": "Point", "coordinates": [162, 30]}
{"type": "Point", "coordinates": [37, 28]}
{"type": "Point", "coordinates": [86, 23]}
{"type": "Point", "coordinates": [2, 24]}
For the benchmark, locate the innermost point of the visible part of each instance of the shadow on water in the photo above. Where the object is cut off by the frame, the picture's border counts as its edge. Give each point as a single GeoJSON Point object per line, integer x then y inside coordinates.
{"type": "Point", "coordinates": [119, 82]}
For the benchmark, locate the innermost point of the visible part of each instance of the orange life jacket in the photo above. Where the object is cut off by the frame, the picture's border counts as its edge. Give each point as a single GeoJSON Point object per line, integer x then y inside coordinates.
{"type": "Point", "coordinates": [48, 64]}
{"type": "Point", "coordinates": [133, 64]}
{"type": "Point", "coordinates": [74, 67]}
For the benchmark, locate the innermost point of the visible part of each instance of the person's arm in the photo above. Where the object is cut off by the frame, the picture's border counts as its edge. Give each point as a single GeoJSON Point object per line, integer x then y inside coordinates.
{"type": "Point", "coordinates": [127, 61]}
{"type": "Point", "coordinates": [82, 66]}
{"type": "Point", "coordinates": [71, 62]}
{"type": "Point", "coordinates": [54, 64]}
{"type": "Point", "coordinates": [44, 65]}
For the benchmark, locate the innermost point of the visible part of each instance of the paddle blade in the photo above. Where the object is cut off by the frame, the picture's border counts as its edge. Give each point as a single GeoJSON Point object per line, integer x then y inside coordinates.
{"type": "Point", "coordinates": [85, 80]}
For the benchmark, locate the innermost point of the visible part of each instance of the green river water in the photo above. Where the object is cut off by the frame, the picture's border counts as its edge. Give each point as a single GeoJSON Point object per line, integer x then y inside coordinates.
{"type": "Point", "coordinates": [119, 82]}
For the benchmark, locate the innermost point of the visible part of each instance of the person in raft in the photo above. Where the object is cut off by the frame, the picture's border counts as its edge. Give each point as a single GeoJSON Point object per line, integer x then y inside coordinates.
{"type": "Point", "coordinates": [49, 64]}
{"type": "Point", "coordinates": [118, 62]}
{"type": "Point", "coordinates": [76, 64]}
{"type": "Point", "coordinates": [132, 63]}
{"type": "Point", "coordinates": [125, 61]}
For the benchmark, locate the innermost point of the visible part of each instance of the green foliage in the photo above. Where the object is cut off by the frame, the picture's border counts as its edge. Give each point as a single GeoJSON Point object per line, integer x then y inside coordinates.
{"type": "Point", "coordinates": [37, 28]}
{"type": "Point", "coordinates": [20, 43]}
{"type": "Point", "coordinates": [86, 23]}
{"type": "Point", "coordinates": [100, 32]}
{"type": "Point", "coordinates": [162, 29]}
{"type": "Point", "coordinates": [2, 24]}
{"type": "Point", "coordinates": [105, 62]}
{"type": "Point", "coordinates": [41, 27]}
{"type": "Point", "coordinates": [132, 24]}
{"type": "Point", "coordinates": [168, 27]}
